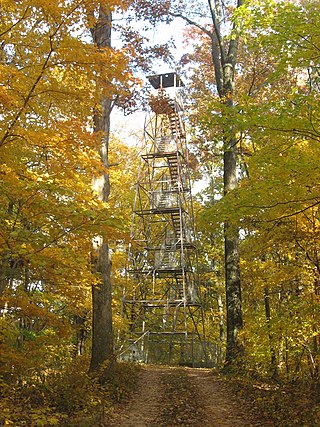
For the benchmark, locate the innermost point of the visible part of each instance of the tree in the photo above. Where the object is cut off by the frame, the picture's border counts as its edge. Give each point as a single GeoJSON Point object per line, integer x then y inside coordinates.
{"type": "Point", "coordinates": [278, 200]}
{"type": "Point", "coordinates": [225, 59]}
{"type": "Point", "coordinates": [102, 330]}
{"type": "Point", "coordinates": [122, 95]}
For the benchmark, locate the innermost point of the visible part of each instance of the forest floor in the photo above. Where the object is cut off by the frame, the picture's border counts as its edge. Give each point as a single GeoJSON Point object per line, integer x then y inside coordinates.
{"type": "Point", "coordinates": [167, 397]}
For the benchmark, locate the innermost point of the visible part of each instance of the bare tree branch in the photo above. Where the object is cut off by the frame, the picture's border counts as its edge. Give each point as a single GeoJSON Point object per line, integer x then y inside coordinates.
{"type": "Point", "coordinates": [191, 22]}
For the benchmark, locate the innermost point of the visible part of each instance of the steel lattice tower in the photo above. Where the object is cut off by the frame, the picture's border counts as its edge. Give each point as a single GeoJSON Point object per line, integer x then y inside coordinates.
{"type": "Point", "coordinates": [162, 301]}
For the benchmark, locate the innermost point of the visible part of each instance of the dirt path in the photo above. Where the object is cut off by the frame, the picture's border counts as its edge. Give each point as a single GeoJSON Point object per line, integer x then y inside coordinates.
{"type": "Point", "coordinates": [221, 408]}
{"type": "Point", "coordinates": [144, 407]}
{"type": "Point", "coordinates": [167, 397]}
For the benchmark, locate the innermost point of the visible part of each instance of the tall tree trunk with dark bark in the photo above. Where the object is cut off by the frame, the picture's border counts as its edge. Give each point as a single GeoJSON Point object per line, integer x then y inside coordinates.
{"type": "Point", "coordinates": [102, 330]}
{"type": "Point", "coordinates": [273, 361]}
{"type": "Point", "coordinates": [224, 58]}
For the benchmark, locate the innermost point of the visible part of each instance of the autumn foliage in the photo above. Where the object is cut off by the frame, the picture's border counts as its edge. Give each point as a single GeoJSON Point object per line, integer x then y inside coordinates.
{"type": "Point", "coordinates": [52, 79]}
{"type": "Point", "coordinates": [276, 207]}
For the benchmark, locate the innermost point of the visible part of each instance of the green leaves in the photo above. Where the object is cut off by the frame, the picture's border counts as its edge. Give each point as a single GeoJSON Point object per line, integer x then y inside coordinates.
{"type": "Point", "coordinates": [275, 118]}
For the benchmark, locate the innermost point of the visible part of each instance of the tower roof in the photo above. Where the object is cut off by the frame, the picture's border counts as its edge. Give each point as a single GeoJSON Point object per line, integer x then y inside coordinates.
{"type": "Point", "coordinates": [165, 80]}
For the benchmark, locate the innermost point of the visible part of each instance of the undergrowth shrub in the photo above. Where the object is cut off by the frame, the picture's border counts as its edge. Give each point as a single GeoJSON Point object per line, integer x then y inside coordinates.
{"type": "Point", "coordinates": [64, 397]}
{"type": "Point", "coordinates": [122, 380]}
{"type": "Point", "coordinates": [283, 404]}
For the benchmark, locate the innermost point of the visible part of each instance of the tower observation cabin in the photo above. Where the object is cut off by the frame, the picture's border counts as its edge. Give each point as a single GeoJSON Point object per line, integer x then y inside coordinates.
{"type": "Point", "coordinates": [162, 302]}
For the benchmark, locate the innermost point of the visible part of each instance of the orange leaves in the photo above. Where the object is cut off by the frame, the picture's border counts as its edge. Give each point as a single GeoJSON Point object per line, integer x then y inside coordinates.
{"type": "Point", "coordinates": [56, 70]}
{"type": "Point", "coordinates": [53, 78]}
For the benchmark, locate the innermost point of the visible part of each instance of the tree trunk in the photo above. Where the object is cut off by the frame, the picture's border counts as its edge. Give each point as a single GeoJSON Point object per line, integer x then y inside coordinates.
{"type": "Point", "coordinates": [273, 361]}
{"type": "Point", "coordinates": [234, 349]}
{"type": "Point", "coordinates": [102, 330]}
{"type": "Point", "coordinates": [221, 330]}
{"type": "Point", "coordinates": [224, 61]}
{"type": "Point", "coordinates": [316, 374]}
{"type": "Point", "coordinates": [4, 264]}
{"type": "Point", "coordinates": [80, 334]}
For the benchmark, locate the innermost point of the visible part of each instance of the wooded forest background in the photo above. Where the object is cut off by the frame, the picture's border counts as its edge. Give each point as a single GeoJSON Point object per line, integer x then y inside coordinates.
{"type": "Point", "coordinates": [67, 187]}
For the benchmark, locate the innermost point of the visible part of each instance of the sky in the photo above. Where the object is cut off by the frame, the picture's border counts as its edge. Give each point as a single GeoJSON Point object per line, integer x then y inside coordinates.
{"type": "Point", "coordinates": [130, 128]}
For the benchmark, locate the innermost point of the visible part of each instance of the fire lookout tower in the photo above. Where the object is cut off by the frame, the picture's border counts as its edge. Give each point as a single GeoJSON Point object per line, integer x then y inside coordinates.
{"type": "Point", "coordinates": [162, 302]}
